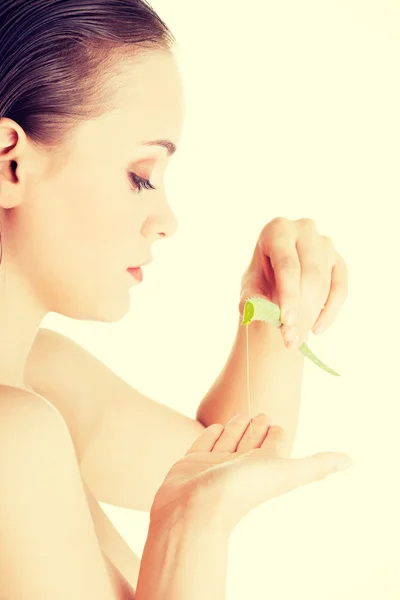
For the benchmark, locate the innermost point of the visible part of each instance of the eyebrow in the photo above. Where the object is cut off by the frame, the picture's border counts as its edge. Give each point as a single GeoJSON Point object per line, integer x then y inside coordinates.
{"type": "Point", "coordinates": [170, 146]}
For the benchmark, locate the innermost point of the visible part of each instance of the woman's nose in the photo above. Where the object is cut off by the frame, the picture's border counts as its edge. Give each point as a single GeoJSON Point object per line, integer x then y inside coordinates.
{"type": "Point", "coordinates": [164, 224]}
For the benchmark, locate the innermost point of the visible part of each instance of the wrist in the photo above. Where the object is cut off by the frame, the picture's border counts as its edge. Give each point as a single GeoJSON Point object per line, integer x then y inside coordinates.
{"type": "Point", "coordinates": [184, 556]}
{"type": "Point", "coordinates": [199, 513]}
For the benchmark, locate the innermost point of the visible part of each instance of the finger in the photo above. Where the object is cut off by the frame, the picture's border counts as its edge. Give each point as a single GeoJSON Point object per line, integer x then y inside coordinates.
{"type": "Point", "coordinates": [206, 440]}
{"type": "Point", "coordinates": [316, 260]}
{"type": "Point", "coordinates": [275, 443]}
{"type": "Point", "coordinates": [232, 434]}
{"type": "Point", "coordinates": [287, 274]}
{"type": "Point", "coordinates": [255, 433]}
{"type": "Point", "coordinates": [316, 467]}
{"type": "Point", "coordinates": [337, 297]}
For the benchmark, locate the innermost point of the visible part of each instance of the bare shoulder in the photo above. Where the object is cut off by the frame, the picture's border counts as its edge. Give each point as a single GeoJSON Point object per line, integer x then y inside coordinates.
{"type": "Point", "coordinates": [65, 374]}
{"type": "Point", "coordinates": [43, 508]}
{"type": "Point", "coordinates": [21, 411]}
{"type": "Point", "coordinates": [27, 423]}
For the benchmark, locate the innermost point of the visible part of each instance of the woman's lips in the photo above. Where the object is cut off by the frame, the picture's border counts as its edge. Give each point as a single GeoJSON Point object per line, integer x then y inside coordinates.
{"type": "Point", "coordinates": [137, 273]}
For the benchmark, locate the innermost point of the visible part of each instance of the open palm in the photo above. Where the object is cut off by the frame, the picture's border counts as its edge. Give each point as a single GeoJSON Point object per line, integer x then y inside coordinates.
{"type": "Point", "coordinates": [243, 463]}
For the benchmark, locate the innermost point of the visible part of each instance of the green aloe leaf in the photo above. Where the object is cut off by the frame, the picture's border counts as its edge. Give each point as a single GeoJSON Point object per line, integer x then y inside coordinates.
{"type": "Point", "coordinates": [261, 309]}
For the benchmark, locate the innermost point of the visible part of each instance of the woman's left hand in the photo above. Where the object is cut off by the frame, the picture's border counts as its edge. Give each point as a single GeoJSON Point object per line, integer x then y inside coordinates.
{"type": "Point", "coordinates": [299, 270]}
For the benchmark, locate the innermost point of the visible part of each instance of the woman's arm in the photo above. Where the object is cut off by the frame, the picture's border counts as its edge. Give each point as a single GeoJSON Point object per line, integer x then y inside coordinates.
{"type": "Point", "coordinates": [118, 427]}
{"type": "Point", "coordinates": [276, 378]}
{"type": "Point", "coordinates": [49, 549]}
{"type": "Point", "coordinates": [185, 556]}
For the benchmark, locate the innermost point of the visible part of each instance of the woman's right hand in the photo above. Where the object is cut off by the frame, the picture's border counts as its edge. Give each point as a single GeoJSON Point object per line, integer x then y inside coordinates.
{"type": "Point", "coordinates": [233, 472]}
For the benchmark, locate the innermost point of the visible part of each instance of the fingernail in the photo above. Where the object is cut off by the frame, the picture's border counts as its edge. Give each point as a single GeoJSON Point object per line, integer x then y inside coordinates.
{"type": "Point", "coordinates": [318, 330]}
{"type": "Point", "coordinates": [290, 334]}
{"type": "Point", "coordinates": [295, 344]}
{"type": "Point", "coordinates": [344, 463]}
{"type": "Point", "coordinates": [241, 418]}
{"type": "Point", "coordinates": [288, 317]}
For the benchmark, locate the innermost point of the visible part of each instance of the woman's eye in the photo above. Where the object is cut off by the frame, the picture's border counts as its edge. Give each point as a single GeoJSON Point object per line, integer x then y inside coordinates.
{"type": "Point", "coordinates": [141, 183]}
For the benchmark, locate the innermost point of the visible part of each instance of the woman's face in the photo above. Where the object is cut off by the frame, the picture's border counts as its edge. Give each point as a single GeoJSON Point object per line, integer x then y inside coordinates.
{"type": "Point", "coordinates": [82, 220]}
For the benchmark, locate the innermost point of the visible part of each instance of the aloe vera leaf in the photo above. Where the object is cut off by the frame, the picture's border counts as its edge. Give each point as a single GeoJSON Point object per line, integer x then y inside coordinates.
{"type": "Point", "coordinates": [261, 309]}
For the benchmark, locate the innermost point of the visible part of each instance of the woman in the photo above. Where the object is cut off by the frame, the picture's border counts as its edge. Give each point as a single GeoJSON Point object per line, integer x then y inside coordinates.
{"type": "Point", "coordinates": [83, 139]}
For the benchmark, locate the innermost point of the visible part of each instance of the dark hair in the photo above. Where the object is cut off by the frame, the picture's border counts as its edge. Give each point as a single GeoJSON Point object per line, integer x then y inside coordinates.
{"type": "Point", "coordinates": [58, 59]}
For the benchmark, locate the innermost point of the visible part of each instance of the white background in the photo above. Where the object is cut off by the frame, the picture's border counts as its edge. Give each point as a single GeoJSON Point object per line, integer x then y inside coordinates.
{"type": "Point", "coordinates": [292, 109]}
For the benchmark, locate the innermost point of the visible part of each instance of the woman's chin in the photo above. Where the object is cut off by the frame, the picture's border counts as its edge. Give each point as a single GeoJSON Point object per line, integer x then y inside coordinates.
{"type": "Point", "coordinates": [113, 312]}
{"type": "Point", "coordinates": [109, 310]}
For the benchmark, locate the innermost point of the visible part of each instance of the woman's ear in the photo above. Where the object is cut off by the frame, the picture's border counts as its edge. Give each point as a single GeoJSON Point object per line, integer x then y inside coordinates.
{"type": "Point", "coordinates": [13, 143]}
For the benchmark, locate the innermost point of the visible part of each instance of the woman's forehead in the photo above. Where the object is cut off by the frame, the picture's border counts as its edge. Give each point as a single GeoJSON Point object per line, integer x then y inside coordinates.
{"type": "Point", "coordinates": [148, 110]}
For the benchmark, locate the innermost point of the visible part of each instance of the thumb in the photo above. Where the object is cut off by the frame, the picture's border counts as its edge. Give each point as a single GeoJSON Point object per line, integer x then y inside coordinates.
{"type": "Point", "coordinates": [318, 466]}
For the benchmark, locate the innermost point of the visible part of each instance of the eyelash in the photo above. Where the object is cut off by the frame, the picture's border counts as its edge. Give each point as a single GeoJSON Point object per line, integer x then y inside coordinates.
{"type": "Point", "coordinates": [141, 184]}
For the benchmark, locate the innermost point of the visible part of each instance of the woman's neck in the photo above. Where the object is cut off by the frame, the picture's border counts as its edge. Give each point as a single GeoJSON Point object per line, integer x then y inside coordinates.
{"type": "Point", "coordinates": [20, 319]}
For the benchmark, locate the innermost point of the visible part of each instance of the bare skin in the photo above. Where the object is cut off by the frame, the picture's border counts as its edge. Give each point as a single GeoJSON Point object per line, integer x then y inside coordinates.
{"type": "Point", "coordinates": [72, 222]}
{"type": "Point", "coordinates": [222, 462]}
